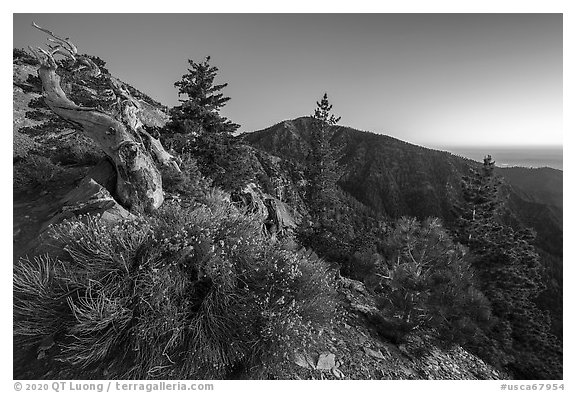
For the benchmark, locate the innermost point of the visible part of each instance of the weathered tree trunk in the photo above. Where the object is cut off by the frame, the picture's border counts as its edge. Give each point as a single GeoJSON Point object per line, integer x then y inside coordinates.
{"type": "Point", "coordinates": [134, 152]}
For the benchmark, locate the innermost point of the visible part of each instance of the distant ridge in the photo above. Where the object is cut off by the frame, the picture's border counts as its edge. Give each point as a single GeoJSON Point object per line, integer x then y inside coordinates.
{"type": "Point", "coordinates": [396, 178]}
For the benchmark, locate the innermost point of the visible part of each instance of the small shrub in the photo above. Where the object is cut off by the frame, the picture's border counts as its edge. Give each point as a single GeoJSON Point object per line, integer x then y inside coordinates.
{"type": "Point", "coordinates": [74, 150]}
{"type": "Point", "coordinates": [22, 56]}
{"type": "Point", "coordinates": [185, 294]}
{"type": "Point", "coordinates": [35, 171]}
{"type": "Point", "coordinates": [35, 115]}
{"type": "Point", "coordinates": [22, 146]}
{"type": "Point", "coordinates": [189, 182]}
{"type": "Point", "coordinates": [38, 102]}
{"type": "Point", "coordinates": [33, 84]}
{"type": "Point", "coordinates": [52, 124]}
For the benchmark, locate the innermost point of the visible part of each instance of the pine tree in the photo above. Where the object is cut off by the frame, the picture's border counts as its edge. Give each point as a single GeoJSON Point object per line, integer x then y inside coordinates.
{"type": "Point", "coordinates": [428, 281]}
{"type": "Point", "coordinates": [203, 101]}
{"type": "Point", "coordinates": [197, 127]}
{"type": "Point", "coordinates": [328, 233]}
{"type": "Point", "coordinates": [322, 168]}
{"type": "Point", "coordinates": [510, 274]}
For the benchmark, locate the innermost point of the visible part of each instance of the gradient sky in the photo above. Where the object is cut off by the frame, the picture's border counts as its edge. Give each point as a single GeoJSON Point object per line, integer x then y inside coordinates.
{"type": "Point", "coordinates": [429, 79]}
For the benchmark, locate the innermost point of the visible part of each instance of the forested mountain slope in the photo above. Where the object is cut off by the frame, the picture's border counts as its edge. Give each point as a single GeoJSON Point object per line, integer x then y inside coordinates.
{"type": "Point", "coordinates": [396, 178]}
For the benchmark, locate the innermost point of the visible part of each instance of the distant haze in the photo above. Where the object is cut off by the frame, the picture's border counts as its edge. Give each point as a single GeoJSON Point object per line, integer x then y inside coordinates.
{"type": "Point", "coordinates": [511, 156]}
{"type": "Point", "coordinates": [429, 79]}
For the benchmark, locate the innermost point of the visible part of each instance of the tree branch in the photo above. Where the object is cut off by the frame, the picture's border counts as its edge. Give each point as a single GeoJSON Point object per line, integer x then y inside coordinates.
{"type": "Point", "coordinates": [118, 134]}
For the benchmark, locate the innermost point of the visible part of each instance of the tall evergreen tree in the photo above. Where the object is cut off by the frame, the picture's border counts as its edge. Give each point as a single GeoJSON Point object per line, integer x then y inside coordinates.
{"type": "Point", "coordinates": [329, 232]}
{"type": "Point", "coordinates": [202, 101]}
{"type": "Point", "coordinates": [322, 168]}
{"type": "Point", "coordinates": [510, 274]}
{"type": "Point", "coordinates": [197, 127]}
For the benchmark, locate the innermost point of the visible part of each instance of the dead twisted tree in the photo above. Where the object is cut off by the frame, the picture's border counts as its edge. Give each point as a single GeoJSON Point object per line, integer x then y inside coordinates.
{"type": "Point", "coordinates": [119, 132]}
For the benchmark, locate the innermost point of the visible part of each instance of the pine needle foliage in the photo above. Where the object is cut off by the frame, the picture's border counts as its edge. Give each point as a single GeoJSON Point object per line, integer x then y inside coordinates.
{"type": "Point", "coordinates": [425, 280]}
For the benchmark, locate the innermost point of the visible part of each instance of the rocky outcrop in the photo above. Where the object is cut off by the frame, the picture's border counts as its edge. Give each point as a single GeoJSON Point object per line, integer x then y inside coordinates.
{"type": "Point", "coordinates": [89, 198]}
{"type": "Point", "coordinates": [92, 197]}
{"type": "Point", "coordinates": [277, 217]}
{"type": "Point", "coordinates": [277, 177]}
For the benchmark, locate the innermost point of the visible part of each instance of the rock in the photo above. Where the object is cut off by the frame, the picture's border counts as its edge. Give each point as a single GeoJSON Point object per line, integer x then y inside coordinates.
{"type": "Point", "coordinates": [353, 284]}
{"type": "Point", "coordinates": [252, 199]}
{"type": "Point", "coordinates": [375, 354]}
{"type": "Point", "coordinates": [408, 371]}
{"type": "Point", "coordinates": [151, 116]}
{"type": "Point", "coordinates": [326, 361]}
{"type": "Point", "coordinates": [89, 198]}
{"type": "Point", "coordinates": [280, 214]}
{"type": "Point", "coordinates": [337, 373]}
{"type": "Point", "coordinates": [304, 360]}
{"type": "Point", "coordinates": [276, 216]}
{"type": "Point", "coordinates": [363, 309]}
{"type": "Point", "coordinates": [300, 360]}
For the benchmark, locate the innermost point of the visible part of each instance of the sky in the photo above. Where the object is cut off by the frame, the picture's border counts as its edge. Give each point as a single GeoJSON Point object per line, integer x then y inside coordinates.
{"type": "Point", "coordinates": [432, 79]}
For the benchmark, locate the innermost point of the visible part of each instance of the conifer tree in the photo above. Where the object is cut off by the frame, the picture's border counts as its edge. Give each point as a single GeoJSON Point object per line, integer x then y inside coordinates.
{"type": "Point", "coordinates": [427, 280]}
{"type": "Point", "coordinates": [197, 127]}
{"type": "Point", "coordinates": [328, 233]}
{"type": "Point", "coordinates": [202, 101]}
{"type": "Point", "coordinates": [510, 274]}
{"type": "Point", "coordinates": [322, 168]}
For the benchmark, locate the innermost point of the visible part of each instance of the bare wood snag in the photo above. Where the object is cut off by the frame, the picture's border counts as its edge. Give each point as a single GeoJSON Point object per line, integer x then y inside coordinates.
{"type": "Point", "coordinates": [135, 153]}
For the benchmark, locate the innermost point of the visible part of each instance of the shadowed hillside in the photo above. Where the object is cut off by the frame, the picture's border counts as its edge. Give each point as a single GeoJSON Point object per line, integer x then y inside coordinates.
{"type": "Point", "coordinates": [396, 178]}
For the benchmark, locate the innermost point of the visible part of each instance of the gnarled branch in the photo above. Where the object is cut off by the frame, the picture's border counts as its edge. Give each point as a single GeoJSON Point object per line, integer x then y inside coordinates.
{"type": "Point", "coordinates": [119, 134]}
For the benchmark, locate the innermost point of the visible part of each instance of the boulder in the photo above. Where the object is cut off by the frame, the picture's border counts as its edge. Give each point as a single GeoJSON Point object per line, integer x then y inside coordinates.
{"type": "Point", "coordinates": [326, 361]}
{"type": "Point", "coordinates": [89, 198]}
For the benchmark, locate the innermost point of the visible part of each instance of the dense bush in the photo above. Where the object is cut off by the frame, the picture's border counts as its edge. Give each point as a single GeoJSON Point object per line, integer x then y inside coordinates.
{"type": "Point", "coordinates": [186, 294]}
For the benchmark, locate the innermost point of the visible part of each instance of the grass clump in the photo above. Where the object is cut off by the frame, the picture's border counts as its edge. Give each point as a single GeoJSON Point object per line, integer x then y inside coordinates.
{"type": "Point", "coordinates": [185, 294]}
